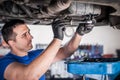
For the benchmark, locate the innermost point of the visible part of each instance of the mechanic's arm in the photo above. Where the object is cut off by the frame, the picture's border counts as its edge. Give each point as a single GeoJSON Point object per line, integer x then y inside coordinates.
{"type": "Point", "coordinates": [68, 49]}
{"type": "Point", "coordinates": [33, 71]}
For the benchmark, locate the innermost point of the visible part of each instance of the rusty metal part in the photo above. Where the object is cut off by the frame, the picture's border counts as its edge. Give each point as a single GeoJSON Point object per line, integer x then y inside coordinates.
{"type": "Point", "coordinates": [111, 3]}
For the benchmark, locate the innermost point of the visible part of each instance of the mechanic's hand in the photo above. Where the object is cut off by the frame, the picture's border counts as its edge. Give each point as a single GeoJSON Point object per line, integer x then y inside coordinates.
{"type": "Point", "coordinates": [58, 29]}
{"type": "Point", "coordinates": [84, 28]}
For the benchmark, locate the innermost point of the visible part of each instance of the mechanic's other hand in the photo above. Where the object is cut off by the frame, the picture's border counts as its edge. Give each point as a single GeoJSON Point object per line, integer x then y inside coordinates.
{"type": "Point", "coordinates": [84, 28]}
{"type": "Point", "coordinates": [58, 29]}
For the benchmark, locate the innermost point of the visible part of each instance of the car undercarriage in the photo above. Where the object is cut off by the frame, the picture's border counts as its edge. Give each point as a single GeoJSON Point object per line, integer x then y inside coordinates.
{"type": "Point", "coordinates": [73, 12]}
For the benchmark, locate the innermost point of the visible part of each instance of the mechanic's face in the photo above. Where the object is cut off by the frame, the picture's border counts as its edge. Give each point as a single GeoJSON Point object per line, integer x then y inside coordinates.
{"type": "Point", "coordinates": [23, 41]}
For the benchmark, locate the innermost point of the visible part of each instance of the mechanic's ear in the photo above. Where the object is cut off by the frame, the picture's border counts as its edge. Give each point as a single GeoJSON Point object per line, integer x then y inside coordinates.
{"type": "Point", "coordinates": [4, 44]}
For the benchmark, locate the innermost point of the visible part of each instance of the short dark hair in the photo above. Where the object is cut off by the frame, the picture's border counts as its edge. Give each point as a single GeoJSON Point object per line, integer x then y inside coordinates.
{"type": "Point", "coordinates": [7, 29]}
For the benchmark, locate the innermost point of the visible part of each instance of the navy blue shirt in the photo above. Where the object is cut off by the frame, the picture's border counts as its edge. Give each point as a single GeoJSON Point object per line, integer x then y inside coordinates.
{"type": "Point", "coordinates": [9, 58]}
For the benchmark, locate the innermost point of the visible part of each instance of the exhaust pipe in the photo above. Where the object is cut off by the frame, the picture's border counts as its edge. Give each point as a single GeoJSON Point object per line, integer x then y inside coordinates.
{"type": "Point", "coordinates": [54, 7]}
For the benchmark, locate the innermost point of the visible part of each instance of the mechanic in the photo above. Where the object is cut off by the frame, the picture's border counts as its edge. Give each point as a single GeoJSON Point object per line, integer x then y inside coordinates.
{"type": "Point", "coordinates": [22, 64]}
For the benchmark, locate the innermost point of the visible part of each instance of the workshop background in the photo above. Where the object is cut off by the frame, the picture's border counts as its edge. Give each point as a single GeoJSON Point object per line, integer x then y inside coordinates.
{"type": "Point", "coordinates": [105, 38]}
